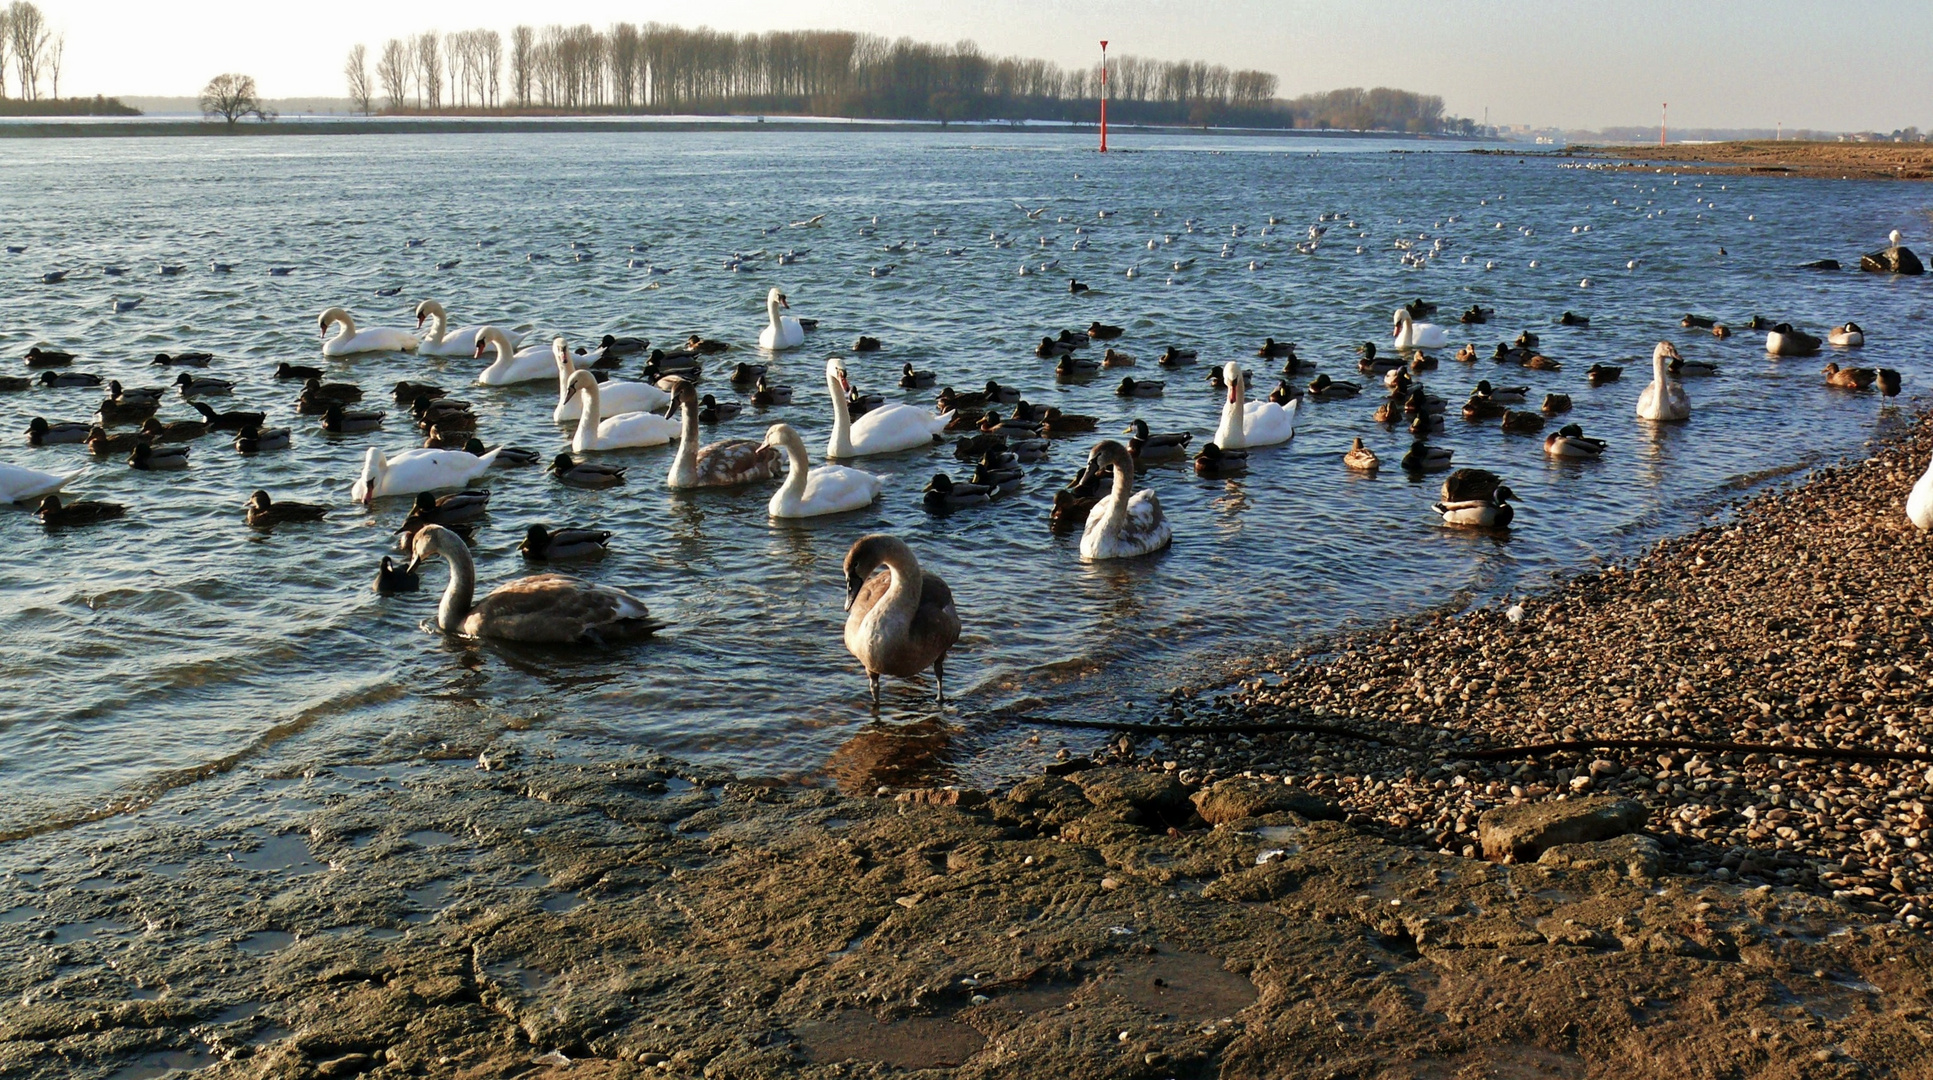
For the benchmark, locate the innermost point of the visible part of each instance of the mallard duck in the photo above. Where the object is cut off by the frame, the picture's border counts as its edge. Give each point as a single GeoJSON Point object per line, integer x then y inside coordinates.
{"type": "Point", "coordinates": [448, 439]}
{"type": "Point", "coordinates": [40, 432]}
{"type": "Point", "coordinates": [1390, 411]}
{"type": "Point", "coordinates": [767, 395]}
{"type": "Point", "coordinates": [914, 380]}
{"type": "Point", "coordinates": [965, 419]}
{"type": "Point", "coordinates": [429, 509]}
{"type": "Point", "coordinates": [1130, 387]}
{"type": "Point", "coordinates": [951, 400]}
{"type": "Point", "coordinates": [866, 344]}
{"type": "Point", "coordinates": [1476, 315]}
{"type": "Point", "coordinates": [100, 443]}
{"type": "Point", "coordinates": [1681, 368]}
{"type": "Point", "coordinates": [1001, 474]}
{"type": "Point", "coordinates": [1483, 408]}
{"type": "Point", "coordinates": [63, 380]}
{"type": "Point", "coordinates": [298, 372]}
{"type": "Point", "coordinates": [192, 385]}
{"type": "Point", "coordinates": [1323, 388]}
{"type": "Point", "coordinates": [124, 410]}
{"type": "Point", "coordinates": [260, 510]}
{"type": "Point", "coordinates": [1422, 423]}
{"type": "Point", "coordinates": [192, 358]}
{"type": "Point", "coordinates": [255, 439]}
{"type": "Point", "coordinates": [901, 622]}
{"type": "Point", "coordinates": [1599, 374]}
{"type": "Point", "coordinates": [972, 447]}
{"type": "Point", "coordinates": [340, 421]}
{"type": "Point", "coordinates": [1476, 514]}
{"type": "Point", "coordinates": [749, 374]}
{"type": "Point", "coordinates": [1275, 350]}
{"type": "Point", "coordinates": [1466, 484]}
{"type": "Point", "coordinates": [586, 474]}
{"type": "Point", "coordinates": [1424, 458]}
{"type": "Point", "coordinates": [151, 458]}
{"type": "Point", "coordinates": [1175, 356]}
{"type": "Point", "coordinates": [1572, 319]}
{"type": "Point", "coordinates": [317, 396]}
{"type": "Point", "coordinates": [663, 363]}
{"type": "Point", "coordinates": [391, 579]}
{"type": "Point", "coordinates": [1539, 362]}
{"type": "Point", "coordinates": [1848, 336]}
{"type": "Point", "coordinates": [1526, 340]}
{"type": "Point", "coordinates": [38, 357]}
{"type": "Point", "coordinates": [942, 493]}
{"type": "Point", "coordinates": [173, 430]}
{"type": "Point", "coordinates": [1284, 393]}
{"type": "Point", "coordinates": [1556, 403]}
{"type": "Point", "coordinates": [713, 411]}
{"type": "Point", "coordinates": [1361, 458]}
{"type": "Point", "coordinates": [1214, 462]}
{"type": "Point", "coordinates": [997, 394]}
{"type": "Point", "coordinates": [1759, 322]}
{"type": "Point", "coordinates": [1698, 322]}
{"type": "Point", "coordinates": [1219, 379]}
{"type": "Point", "coordinates": [1507, 394]}
{"type": "Point", "coordinates": [228, 421]}
{"type": "Point", "coordinates": [1051, 349]}
{"type": "Point", "coordinates": [1011, 428]}
{"type": "Point", "coordinates": [1419, 307]}
{"type": "Point", "coordinates": [1150, 447]}
{"type": "Point", "coordinates": [1467, 354]}
{"type": "Point", "coordinates": [409, 393]}
{"type": "Point", "coordinates": [1570, 441]}
{"type": "Point", "coordinates": [508, 456]}
{"type": "Point", "coordinates": [1100, 331]}
{"type": "Point", "coordinates": [1398, 381]}
{"type": "Point", "coordinates": [55, 515]}
{"type": "Point", "coordinates": [1852, 378]}
{"type": "Point", "coordinates": [704, 346]}
{"type": "Point", "coordinates": [1420, 400]}
{"type": "Point", "coordinates": [1522, 422]}
{"type": "Point", "coordinates": [1069, 368]}
{"type": "Point", "coordinates": [543, 544]}
{"type": "Point", "coordinates": [449, 414]}
{"type": "Point", "coordinates": [1888, 382]}
{"type": "Point", "coordinates": [1077, 338]}
{"type": "Point", "coordinates": [1028, 413]}
{"type": "Point", "coordinates": [1721, 331]}
{"type": "Point", "coordinates": [127, 394]}
{"type": "Point", "coordinates": [612, 345]}
{"type": "Point", "coordinates": [15, 382]}
{"type": "Point", "coordinates": [1057, 423]}
{"type": "Point", "coordinates": [1073, 503]}
{"type": "Point", "coordinates": [1115, 358]}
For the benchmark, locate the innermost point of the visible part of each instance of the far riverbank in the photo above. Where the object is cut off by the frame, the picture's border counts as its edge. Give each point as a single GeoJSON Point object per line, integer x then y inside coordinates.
{"type": "Point", "coordinates": [1821, 160]}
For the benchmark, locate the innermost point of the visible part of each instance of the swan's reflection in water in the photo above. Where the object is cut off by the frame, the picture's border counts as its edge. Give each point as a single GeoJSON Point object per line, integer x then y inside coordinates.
{"type": "Point", "coordinates": [919, 754]}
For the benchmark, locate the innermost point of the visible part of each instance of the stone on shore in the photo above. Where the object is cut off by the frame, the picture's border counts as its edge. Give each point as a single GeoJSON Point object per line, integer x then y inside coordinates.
{"type": "Point", "coordinates": [1242, 797]}
{"type": "Point", "coordinates": [1157, 794]}
{"type": "Point", "coordinates": [1893, 260]}
{"type": "Point", "coordinates": [1522, 833]}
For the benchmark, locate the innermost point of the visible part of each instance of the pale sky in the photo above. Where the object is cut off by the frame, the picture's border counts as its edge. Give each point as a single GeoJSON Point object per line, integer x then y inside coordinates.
{"type": "Point", "coordinates": [1844, 64]}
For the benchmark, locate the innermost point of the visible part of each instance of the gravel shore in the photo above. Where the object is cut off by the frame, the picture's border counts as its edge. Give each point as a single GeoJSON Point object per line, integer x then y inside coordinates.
{"type": "Point", "coordinates": [1800, 622]}
{"type": "Point", "coordinates": [1827, 160]}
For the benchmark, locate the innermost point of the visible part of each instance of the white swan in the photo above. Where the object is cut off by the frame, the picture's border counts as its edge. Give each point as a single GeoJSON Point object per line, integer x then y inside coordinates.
{"type": "Point", "coordinates": [595, 431]}
{"type": "Point", "coordinates": [512, 365]}
{"type": "Point", "coordinates": [417, 470]}
{"type": "Point", "coordinates": [725, 463]}
{"type": "Point", "coordinates": [1125, 523]}
{"type": "Point", "coordinates": [781, 331]}
{"type": "Point", "coordinates": [546, 608]}
{"type": "Point", "coordinates": [1665, 398]}
{"type": "Point", "coordinates": [18, 484]}
{"type": "Point", "coordinates": [443, 341]}
{"type": "Point", "coordinates": [809, 492]}
{"type": "Point", "coordinates": [1411, 334]}
{"type": "Point", "coordinates": [352, 341]}
{"type": "Point", "coordinates": [1248, 424]}
{"type": "Point", "coordinates": [883, 430]}
{"type": "Point", "coordinates": [617, 395]}
{"type": "Point", "coordinates": [1919, 504]}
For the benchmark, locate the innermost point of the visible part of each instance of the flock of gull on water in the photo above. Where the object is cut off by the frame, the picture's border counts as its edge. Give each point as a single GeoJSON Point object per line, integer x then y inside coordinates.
{"type": "Point", "coordinates": [900, 622]}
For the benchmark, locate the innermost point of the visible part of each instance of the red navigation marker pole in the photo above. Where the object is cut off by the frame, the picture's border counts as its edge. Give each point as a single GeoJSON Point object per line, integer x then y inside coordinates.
{"type": "Point", "coordinates": [1103, 97]}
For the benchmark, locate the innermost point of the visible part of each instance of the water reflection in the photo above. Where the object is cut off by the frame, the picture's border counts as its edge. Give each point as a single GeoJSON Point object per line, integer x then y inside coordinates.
{"type": "Point", "coordinates": [894, 755]}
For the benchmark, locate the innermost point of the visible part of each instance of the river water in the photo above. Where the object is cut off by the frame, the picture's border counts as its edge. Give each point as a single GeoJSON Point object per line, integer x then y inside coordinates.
{"type": "Point", "coordinates": [136, 654]}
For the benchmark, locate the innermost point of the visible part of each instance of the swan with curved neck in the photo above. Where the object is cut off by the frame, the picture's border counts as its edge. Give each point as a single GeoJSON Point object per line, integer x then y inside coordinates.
{"type": "Point", "coordinates": [546, 608]}
{"type": "Point", "coordinates": [1125, 523]}
{"type": "Point", "coordinates": [781, 331]}
{"type": "Point", "coordinates": [1247, 423]}
{"type": "Point", "coordinates": [417, 470]}
{"type": "Point", "coordinates": [721, 464]}
{"type": "Point", "coordinates": [349, 341]}
{"type": "Point", "coordinates": [884, 429]}
{"type": "Point", "coordinates": [1411, 334]}
{"type": "Point", "coordinates": [901, 622]}
{"type": "Point", "coordinates": [443, 341]}
{"type": "Point", "coordinates": [809, 492]}
{"type": "Point", "coordinates": [595, 431]}
{"type": "Point", "coordinates": [1665, 398]}
{"type": "Point", "coordinates": [617, 395]}
{"type": "Point", "coordinates": [512, 365]}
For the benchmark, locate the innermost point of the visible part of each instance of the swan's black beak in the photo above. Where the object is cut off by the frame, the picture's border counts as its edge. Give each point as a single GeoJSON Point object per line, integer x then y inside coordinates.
{"type": "Point", "coordinates": [853, 584]}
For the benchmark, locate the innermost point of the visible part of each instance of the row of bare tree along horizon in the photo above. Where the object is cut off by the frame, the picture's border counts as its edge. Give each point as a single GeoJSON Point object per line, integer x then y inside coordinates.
{"type": "Point", "coordinates": [31, 48]}
{"type": "Point", "coordinates": [656, 68]}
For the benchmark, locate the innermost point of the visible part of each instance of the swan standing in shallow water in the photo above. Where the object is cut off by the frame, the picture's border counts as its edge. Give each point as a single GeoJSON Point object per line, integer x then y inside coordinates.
{"type": "Point", "coordinates": [18, 484]}
{"type": "Point", "coordinates": [1247, 424]}
{"type": "Point", "coordinates": [721, 464]}
{"type": "Point", "coordinates": [417, 470]}
{"type": "Point", "coordinates": [595, 431]}
{"type": "Point", "coordinates": [781, 331]}
{"type": "Point", "coordinates": [1411, 334]}
{"type": "Point", "coordinates": [1125, 523]}
{"type": "Point", "coordinates": [809, 492]}
{"type": "Point", "coordinates": [1919, 504]}
{"type": "Point", "coordinates": [901, 622]}
{"type": "Point", "coordinates": [884, 429]}
{"type": "Point", "coordinates": [351, 341]}
{"type": "Point", "coordinates": [443, 341]}
{"type": "Point", "coordinates": [1665, 398]}
{"type": "Point", "coordinates": [617, 395]}
{"type": "Point", "coordinates": [513, 365]}
{"type": "Point", "coordinates": [546, 608]}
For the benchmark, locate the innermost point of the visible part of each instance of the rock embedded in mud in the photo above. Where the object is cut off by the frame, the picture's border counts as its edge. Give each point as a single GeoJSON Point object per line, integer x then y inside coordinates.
{"type": "Point", "coordinates": [946, 796]}
{"type": "Point", "coordinates": [1157, 794]}
{"type": "Point", "coordinates": [1522, 833]}
{"type": "Point", "coordinates": [1635, 856]}
{"type": "Point", "coordinates": [1893, 260]}
{"type": "Point", "coordinates": [1240, 797]}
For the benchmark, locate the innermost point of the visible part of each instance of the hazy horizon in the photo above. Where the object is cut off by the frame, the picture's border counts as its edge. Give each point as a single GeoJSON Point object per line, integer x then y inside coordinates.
{"type": "Point", "coordinates": [1714, 64]}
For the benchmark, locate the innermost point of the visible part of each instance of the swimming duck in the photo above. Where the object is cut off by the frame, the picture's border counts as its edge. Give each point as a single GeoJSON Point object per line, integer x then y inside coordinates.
{"type": "Point", "coordinates": [1058, 423]}
{"type": "Point", "coordinates": [315, 390]}
{"type": "Point", "coordinates": [260, 511]}
{"type": "Point", "coordinates": [1848, 336]}
{"type": "Point", "coordinates": [1852, 378]}
{"type": "Point", "coordinates": [303, 372]}
{"type": "Point", "coordinates": [1467, 484]}
{"type": "Point", "coordinates": [1480, 407]}
{"type": "Point", "coordinates": [1721, 331]}
{"type": "Point", "coordinates": [1076, 287]}
{"type": "Point", "coordinates": [1467, 354]}
{"type": "Point", "coordinates": [1162, 446]}
{"type": "Point", "coordinates": [450, 414]}
{"type": "Point", "coordinates": [450, 509]}
{"type": "Point", "coordinates": [766, 394]}
{"type": "Point", "coordinates": [901, 622]}
{"type": "Point", "coordinates": [586, 474]}
{"type": "Point", "coordinates": [1001, 395]}
{"type": "Point", "coordinates": [1419, 307]}
{"type": "Point", "coordinates": [228, 421]}
{"type": "Point", "coordinates": [972, 447]}
{"type": "Point", "coordinates": [1284, 393]}
{"type": "Point", "coordinates": [1599, 374]}
{"type": "Point", "coordinates": [1143, 389]}
{"type": "Point", "coordinates": [1522, 422]}
{"type": "Point", "coordinates": [1077, 338]}
{"type": "Point", "coordinates": [1556, 403]}
{"type": "Point", "coordinates": [1115, 358]}
{"type": "Point", "coordinates": [1572, 319]}
{"type": "Point", "coordinates": [704, 346]}
{"type": "Point", "coordinates": [545, 608]}
{"type": "Point", "coordinates": [1888, 382]}
{"type": "Point", "coordinates": [942, 494]}
{"type": "Point", "coordinates": [1124, 523]}
{"type": "Point", "coordinates": [1070, 368]}
{"type": "Point", "coordinates": [1759, 322]}
{"type": "Point", "coordinates": [1570, 441]}
{"type": "Point", "coordinates": [1422, 423]}
{"type": "Point", "coordinates": [339, 421]}
{"type": "Point", "coordinates": [1476, 315]}
{"type": "Point", "coordinates": [1218, 378]}
{"type": "Point", "coordinates": [1361, 458]}
{"type": "Point", "coordinates": [1508, 394]}
{"type": "Point", "coordinates": [1681, 368]}
{"type": "Point", "coordinates": [42, 433]}
{"type": "Point", "coordinates": [1323, 388]}
{"type": "Point", "coordinates": [951, 400]}
{"type": "Point", "coordinates": [1696, 322]}
{"type": "Point", "coordinates": [1537, 361]}
{"type": "Point", "coordinates": [543, 544]}
{"type": "Point", "coordinates": [38, 357]}
{"type": "Point", "coordinates": [1398, 381]}
{"type": "Point", "coordinates": [867, 344]}
{"type": "Point", "coordinates": [125, 410]}
{"type": "Point", "coordinates": [151, 458]}
{"type": "Point", "coordinates": [173, 430]}
{"type": "Point", "coordinates": [1214, 462]}
{"type": "Point", "coordinates": [1009, 428]}
{"type": "Point", "coordinates": [748, 374]}
{"type": "Point", "coordinates": [611, 345]}
{"type": "Point", "coordinates": [1275, 350]}
{"type": "Point", "coordinates": [1390, 411]}
{"type": "Point", "coordinates": [662, 364]}
{"type": "Point", "coordinates": [100, 443]}
{"type": "Point", "coordinates": [127, 394]}
{"type": "Point", "coordinates": [55, 515]}
{"type": "Point", "coordinates": [256, 439]}
{"type": "Point", "coordinates": [1050, 349]}
{"type": "Point", "coordinates": [726, 463]}
{"type": "Point", "coordinates": [713, 411]}
{"type": "Point", "coordinates": [182, 359]}
{"type": "Point", "coordinates": [1000, 473]}
{"type": "Point", "coordinates": [15, 382]}
{"type": "Point", "coordinates": [202, 385]}
{"type": "Point", "coordinates": [1073, 503]}
{"type": "Point", "coordinates": [1477, 513]}
{"type": "Point", "coordinates": [1420, 400]}
{"type": "Point", "coordinates": [1423, 458]}
{"type": "Point", "coordinates": [508, 456]}
{"type": "Point", "coordinates": [447, 439]}
{"type": "Point", "coordinates": [408, 393]}
{"type": "Point", "coordinates": [1174, 356]}
{"type": "Point", "coordinates": [914, 380]}
{"type": "Point", "coordinates": [1100, 331]}
{"type": "Point", "coordinates": [391, 579]}
{"type": "Point", "coordinates": [1783, 340]}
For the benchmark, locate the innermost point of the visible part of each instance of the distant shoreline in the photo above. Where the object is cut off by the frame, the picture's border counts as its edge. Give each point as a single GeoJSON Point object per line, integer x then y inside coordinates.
{"type": "Point", "coordinates": [181, 128]}
{"type": "Point", "coordinates": [1818, 160]}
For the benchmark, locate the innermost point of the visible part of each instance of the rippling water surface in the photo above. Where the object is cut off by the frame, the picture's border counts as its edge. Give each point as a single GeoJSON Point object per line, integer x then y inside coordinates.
{"type": "Point", "coordinates": [134, 653]}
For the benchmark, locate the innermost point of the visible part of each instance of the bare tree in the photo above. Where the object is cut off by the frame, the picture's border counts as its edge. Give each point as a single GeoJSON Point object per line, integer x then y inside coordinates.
{"type": "Point", "coordinates": [6, 37]}
{"type": "Point", "coordinates": [523, 47]}
{"type": "Point", "coordinates": [492, 66]}
{"type": "Point", "coordinates": [232, 97]}
{"type": "Point", "coordinates": [429, 71]}
{"type": "Point", "coordinates": [27, 36]}
{"type": "Point", "coordinates": [356, 70]}
{"type": "Point", "coordinates": [56, 49]}
{"type": "Point", "coordinates": [392, 71]}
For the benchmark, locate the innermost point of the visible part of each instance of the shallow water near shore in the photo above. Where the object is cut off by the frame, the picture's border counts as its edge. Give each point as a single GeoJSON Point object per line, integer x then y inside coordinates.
{"type": "Point", "coordinates": [138, 654]}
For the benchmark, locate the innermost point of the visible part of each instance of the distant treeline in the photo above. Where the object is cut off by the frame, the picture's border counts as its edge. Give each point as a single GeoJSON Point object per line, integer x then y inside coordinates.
{"type": "Point", "coordinates": [94, 106]}
{"type": "Point", "coordinates": [667, 69]}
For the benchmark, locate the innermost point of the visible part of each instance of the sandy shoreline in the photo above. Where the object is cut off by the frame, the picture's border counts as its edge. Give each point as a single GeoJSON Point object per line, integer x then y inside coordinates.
{"type": "Point", "coordinates": [1822, 160]}
{"type": "Point", "coordinates": [1268, 905]}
